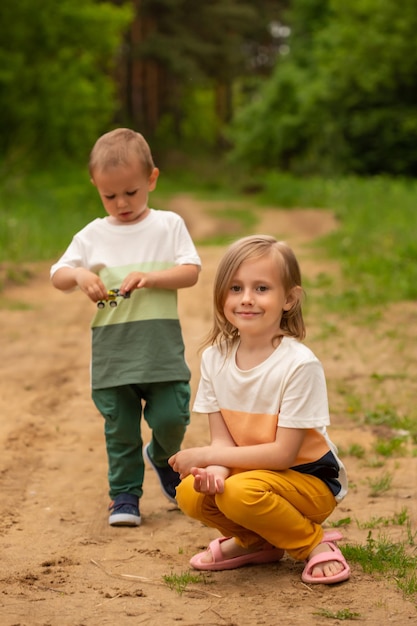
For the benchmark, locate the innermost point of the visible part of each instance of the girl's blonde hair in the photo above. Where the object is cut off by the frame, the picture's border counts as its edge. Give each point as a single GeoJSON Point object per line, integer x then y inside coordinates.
{"type": "Point", "coordinates": [255, 247]}
{"type": "Point", "coordinates": [120, 147]}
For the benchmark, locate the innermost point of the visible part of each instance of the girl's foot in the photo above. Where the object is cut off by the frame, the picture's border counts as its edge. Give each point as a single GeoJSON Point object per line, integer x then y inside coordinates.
{"type": "Point", "coordinates": [230, 549]}
{"type": "Point", "coordinates": [326, 563]}
{"type": "Point", "coordinates": [225, 553]}
{"type": "Point", "coordinates": [327, 568]}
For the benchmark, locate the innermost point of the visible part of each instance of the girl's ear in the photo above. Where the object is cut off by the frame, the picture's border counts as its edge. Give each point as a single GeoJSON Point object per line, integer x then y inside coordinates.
{"type": "Point", "coordinates": [293, 298]}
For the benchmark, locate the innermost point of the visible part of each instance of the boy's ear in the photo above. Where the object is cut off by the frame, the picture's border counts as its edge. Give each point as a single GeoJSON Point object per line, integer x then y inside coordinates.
{"type": "Point", "coordinates": [153, 178]}
{"type": "Point", "coordinates": [92, 181]}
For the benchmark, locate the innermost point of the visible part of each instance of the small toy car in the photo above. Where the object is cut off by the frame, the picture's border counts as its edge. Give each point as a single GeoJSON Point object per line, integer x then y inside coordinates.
{"type": "Point", "coordinates": [112, 296]}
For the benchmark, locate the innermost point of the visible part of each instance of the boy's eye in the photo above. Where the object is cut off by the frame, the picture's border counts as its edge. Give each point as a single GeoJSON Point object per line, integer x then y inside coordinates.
{"type": "Point", "coordinates": [131, 193]}
{"type": "Point", "coordinates": [112, 197]}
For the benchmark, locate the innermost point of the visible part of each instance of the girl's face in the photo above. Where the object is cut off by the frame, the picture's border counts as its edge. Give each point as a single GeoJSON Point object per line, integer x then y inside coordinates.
{"type": "Point", "coordinates": [256, 299]}
{"type": "Point", "coordinates": [124, 189]}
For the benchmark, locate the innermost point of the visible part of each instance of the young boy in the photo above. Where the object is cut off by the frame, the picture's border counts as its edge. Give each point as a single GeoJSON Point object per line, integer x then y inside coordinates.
{"type": "Point", "coordinates": [137, 346]}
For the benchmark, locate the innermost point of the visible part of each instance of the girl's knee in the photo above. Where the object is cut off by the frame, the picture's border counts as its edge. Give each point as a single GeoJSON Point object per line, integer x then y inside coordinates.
{"type": "Point", "coordinates": [187, 498]}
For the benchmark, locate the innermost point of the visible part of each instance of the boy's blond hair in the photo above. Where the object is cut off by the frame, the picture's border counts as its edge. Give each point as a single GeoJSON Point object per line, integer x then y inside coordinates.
{"type": "Point", "coordinates": [256, 247]}
{"type": "Point", "coordinates": [119, 147]}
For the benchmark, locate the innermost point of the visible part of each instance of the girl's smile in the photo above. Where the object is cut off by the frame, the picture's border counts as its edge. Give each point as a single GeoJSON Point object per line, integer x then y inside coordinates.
{"type": "Point", "coordinates": [256, 298]}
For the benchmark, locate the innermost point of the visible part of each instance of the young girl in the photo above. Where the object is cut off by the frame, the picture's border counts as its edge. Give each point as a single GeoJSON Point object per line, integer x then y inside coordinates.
{"type": "Point", "coordinates": [271, 475]}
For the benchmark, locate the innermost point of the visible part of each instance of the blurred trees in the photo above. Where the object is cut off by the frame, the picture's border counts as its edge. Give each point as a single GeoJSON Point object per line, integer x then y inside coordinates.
{"type": "Point", "coordinates": [182, 59]}
{"type": "Point", "coordinates": [345, 100]}
{"type": "Point", "coordinates": [56, 89]}
{"type": "Point", "coordinates": [340, 97]}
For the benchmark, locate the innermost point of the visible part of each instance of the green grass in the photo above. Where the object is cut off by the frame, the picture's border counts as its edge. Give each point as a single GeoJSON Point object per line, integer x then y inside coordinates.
{"type": "Point", "coordinates": [40, 213]}
{"type": "Point", "coordinates": [180, 582]}
{"type": "Point", "coordinates": [342, 614]}
{"type": "Point", "coordinates": [381, 556]}
{"type": "Point", "coordinates": [375, 242]}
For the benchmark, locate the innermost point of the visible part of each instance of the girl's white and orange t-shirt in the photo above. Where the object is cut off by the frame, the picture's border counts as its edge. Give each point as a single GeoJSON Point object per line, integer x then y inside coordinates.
{"type": "Point", "coordinates": [289, 389]}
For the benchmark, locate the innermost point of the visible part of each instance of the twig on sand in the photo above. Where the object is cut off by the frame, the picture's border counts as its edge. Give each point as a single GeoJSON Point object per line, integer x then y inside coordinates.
{"type": "Point", "coordinates": [152, 581]}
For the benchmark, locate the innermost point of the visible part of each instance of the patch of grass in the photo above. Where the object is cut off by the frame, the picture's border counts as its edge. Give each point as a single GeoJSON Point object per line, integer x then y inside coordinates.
{"type": "Point", "coordinates": [48, 208]}
{"type": "Point", "coordinates": [14, 305]}
{"type": "Point", "coordinates": [180, 582]}
{"type": "Point", "coordinates": [398, 519]}
{"type": "Point", "coordinates": [341, 522]}
{"type": "Point", "coordinates": [382, 556]}
{"type": "Point", "coordinates": [379, 485]}
{"type": "Point", "coordinates": [341, 614]}
{"type": "Point", "coordinates": [356, 450]}
{"type": "Point", "coordinates": [391, 447]}
{"type": "Point", "coordinates": [374, 243]}
{"type": "Point", "coordinates": [402, 426]}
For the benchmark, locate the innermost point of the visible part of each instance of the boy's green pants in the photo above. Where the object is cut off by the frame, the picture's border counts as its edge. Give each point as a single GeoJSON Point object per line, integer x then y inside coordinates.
{"type": "Point", "coordinates": [165, 407]}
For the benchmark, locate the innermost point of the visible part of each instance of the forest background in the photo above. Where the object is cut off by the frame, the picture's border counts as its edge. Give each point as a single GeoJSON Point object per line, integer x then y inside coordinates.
{"type": "Point", "coordinates": [280, 103]}
{"type": "Point", "coordinates": [295, 102]}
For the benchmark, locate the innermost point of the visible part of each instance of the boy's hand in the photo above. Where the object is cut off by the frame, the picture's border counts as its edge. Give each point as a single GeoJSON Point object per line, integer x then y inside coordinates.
{"type": "Point", "coordinates": [176, 277]}
{"type": "Point", "coordinates": [90, 284]}
{"type": "Point", "coordinates": [136, 280]}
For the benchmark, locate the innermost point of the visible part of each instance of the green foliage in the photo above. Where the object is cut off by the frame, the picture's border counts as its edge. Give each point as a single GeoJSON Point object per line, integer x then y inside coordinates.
{"type": "Point", "coordinates": [44, 211]}
{"type": "Point", "coordinates": [375, 241]}
{"type": "Point", "coordinates": [56, 90]}
{"type": "Point", "coordinates": [341, 101]}
{"type": "Point", "coordinates": [181, 50]}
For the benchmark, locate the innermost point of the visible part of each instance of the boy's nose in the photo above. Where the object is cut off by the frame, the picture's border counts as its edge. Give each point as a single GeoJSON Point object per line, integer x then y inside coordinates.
{"type": "Point", "coordinates": [121, 202]}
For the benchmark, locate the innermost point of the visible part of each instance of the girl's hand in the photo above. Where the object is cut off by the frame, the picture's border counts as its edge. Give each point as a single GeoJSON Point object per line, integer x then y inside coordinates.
{"type": "Point", "coordinates": [185, 460]}
{"type": "Point", "coordinates": [210, 480]}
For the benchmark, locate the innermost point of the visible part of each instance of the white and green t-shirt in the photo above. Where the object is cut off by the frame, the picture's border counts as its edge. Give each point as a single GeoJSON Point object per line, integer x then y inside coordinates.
{"type": "Point", "coordinates": [139, 340]}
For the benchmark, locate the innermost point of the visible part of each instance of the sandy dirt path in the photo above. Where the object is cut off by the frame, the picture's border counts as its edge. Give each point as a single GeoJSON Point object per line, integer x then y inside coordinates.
{"type": "Point", "coordinates": [61, 564]}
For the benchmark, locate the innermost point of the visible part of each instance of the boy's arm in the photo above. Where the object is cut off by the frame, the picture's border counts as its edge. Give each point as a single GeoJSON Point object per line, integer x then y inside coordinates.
{"type": "Point", "coordinates": [176, 277]}
{"type": "Point", "coordinates": [67, 278]}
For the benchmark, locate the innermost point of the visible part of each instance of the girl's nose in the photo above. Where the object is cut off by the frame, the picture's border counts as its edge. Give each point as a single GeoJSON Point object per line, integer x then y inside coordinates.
{"type": "Point", "coordinates": [247, 297]}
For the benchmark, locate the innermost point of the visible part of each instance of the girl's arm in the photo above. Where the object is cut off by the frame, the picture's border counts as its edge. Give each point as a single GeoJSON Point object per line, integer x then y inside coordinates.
{"type": "Point", "coordinates": [277, 455]}
{"type": "Point", "coordinates": [183, 463]}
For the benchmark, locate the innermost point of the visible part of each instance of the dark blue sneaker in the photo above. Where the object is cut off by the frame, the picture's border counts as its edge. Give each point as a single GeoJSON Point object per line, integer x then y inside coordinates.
{"type": "Point", "coordinates": [168, 479]}
{"type": "Point", "coordinates": [124, 510]}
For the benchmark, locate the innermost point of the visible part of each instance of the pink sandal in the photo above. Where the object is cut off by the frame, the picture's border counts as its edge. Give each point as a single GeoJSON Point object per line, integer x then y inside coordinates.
{"type": "Point", "coordinates": [325, 557]}
{"type": "Point", "coordinates": [268, 554]}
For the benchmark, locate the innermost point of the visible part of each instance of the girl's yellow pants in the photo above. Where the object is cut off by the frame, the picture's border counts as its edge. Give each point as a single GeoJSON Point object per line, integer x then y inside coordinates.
{"type": "Point", "coordinates": [285, 508]}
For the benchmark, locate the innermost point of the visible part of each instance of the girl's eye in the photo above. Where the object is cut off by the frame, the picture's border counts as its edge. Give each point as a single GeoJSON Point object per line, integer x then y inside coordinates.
{"type": "Point", "coordinates": [262, 288]}
{"type": "Point", "coordinates": [235, 288]}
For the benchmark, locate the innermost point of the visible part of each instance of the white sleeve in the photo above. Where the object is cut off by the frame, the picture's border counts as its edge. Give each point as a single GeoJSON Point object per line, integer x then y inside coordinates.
{"type": "Point", "coordinates": [72, 257]}
{"type": "Point", "coordinates": [304, 402]}
{"type": "Point", "coordinates": [185, 250]}
{"type": "Point", "coordinates": [206, 400]}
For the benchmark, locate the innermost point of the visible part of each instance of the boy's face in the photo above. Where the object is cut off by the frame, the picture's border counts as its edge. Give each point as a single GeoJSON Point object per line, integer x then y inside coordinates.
{"type": "Point", "coordinates": [124, 189]}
